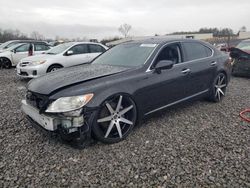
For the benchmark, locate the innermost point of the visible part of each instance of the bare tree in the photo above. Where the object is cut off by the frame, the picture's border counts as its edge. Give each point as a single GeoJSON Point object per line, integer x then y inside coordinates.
{"type": "Point", "coordinates": [36, 35]}
{"type": "Point", "coordinates": [124, 29]}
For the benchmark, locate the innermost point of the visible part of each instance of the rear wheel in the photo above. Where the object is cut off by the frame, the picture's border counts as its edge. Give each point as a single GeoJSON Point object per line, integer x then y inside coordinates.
{"type": "Point", "coordinates": [218, 89]}
{"type": "Point", "coordinates": [5, 63]}
{"type": "Point", "coordinates": [53, 68]}
{"type": "Point", "coordinates": [115, 119]}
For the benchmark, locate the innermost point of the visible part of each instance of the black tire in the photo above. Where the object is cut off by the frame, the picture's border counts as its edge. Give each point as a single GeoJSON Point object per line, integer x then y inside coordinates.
{"type": "Point", "coordinates": [218, 88]}
{"type": "Point", "coordinates": [53, 68]}
{"type": "Point", "coordinates": [5, 63]}
{"type": "Point", "coordinates": [120, 113]}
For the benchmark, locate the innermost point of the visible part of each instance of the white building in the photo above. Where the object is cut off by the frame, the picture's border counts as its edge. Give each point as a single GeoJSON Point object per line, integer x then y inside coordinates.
{"type": "Point", "coordinates": [244, 35]}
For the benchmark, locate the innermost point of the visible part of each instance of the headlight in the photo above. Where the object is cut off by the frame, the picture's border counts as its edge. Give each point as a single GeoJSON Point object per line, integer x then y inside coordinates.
{"type": "Point", "coordinates": [37, 63]}
{"type": "Point", "coordinates": [67, 104]}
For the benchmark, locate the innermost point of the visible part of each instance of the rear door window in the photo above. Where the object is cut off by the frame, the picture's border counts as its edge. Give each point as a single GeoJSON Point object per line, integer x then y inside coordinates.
{"type": "Point", "coordinates": [80, 49]}
{"type": "Point", "coordinates": [41, 47]}
{"type": "Point", "coordinates": [195, 50]}
{"type": "Point", "coordinates": [94, 48]}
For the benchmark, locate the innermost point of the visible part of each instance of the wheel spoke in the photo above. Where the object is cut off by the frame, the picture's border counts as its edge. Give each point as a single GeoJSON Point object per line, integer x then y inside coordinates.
{"type": "Point", "coordinates": [110, 108]}
{"type": "Point", "coordinates": [126, 121]}
{"type": "Point", "coordinates": [218, 94]}
{"type": "Point", "coordinates": [221, 80]}
{"type": "Point", "coordinates": [125, 110]}
{"type": "Point", "coordinates": [111, 125]}
{"type": "Point", "coordinates": [119, 129]}
{"type": "Point", "coordinates": [105, 119]}
{"type": "Point", "coordinates": [218, 82]}
{"type": "Point", "coordinates": [118, 107]}
{"type": "Point", "coordinates": [224, 85]}
{"type": "Point", "coordinates": [220, 91]}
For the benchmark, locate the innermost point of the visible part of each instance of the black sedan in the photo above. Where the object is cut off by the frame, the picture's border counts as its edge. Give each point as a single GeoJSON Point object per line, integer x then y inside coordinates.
{"type": "Point", "coordinates": [107, 98]}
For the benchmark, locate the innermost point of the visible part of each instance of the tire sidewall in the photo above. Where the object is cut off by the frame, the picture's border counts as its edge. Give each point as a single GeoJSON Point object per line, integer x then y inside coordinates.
{"type": "Point", "coordinates": [98, 133]}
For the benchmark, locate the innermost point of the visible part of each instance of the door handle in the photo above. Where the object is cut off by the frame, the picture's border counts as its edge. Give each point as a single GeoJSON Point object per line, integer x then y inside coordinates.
{"type": "Point", "coordinates": [185, 71]}
{"type": "Point", "coordinates": [213, 63]}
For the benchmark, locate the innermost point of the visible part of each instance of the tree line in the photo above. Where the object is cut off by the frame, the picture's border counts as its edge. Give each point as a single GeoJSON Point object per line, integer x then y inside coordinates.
{"type": "Point", "coordinates": [223, 32]}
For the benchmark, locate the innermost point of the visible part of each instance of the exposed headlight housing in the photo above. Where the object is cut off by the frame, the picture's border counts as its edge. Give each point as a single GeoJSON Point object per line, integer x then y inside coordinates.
{"type": "Point", "coordinates": [67, 104]}
{"type": "Point", "coordinates": [37, 63]}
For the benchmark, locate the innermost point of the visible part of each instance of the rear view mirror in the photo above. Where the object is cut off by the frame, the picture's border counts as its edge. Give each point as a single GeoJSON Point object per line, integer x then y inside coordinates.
{"type": "Point", "coordinates": [163, 64]}
{"type": "Point", "coordinates": [70, 52]}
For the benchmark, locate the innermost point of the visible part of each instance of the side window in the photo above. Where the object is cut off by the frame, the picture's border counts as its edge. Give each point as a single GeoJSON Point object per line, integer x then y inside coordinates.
{"type": "Point", "coordinates": [41, 47]}
{"type": "Point", "coordinates": [80, 49]}
{"type": "Point", "coordinates": [94, 48]}
{"type": "Point", "coordinates": [23, 48]}
{"type": "Point", "coordinates": [196, 50]}
{"type": "Point", "coordinates": [171, 52]}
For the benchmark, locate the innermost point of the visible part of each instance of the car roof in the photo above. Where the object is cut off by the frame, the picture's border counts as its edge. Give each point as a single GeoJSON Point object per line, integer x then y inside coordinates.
{"type": "Point", "coordinates": [86, 42]}
{"type": "Point", "coordinates": [247, 40]}
{"type": "Point", "coordinates": [163, 40]}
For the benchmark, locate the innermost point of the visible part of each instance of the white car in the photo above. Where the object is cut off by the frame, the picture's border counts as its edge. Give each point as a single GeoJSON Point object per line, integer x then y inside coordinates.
{"type": "Point", "coordinates": [63, 55]}
{"type": "Point", "coordinates": [12, 55]}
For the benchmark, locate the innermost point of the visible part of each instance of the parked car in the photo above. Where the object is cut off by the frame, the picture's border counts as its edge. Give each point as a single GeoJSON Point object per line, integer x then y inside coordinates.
{"type": "Point", "coordinates": [11, 43]}
{"type": "Point", "coordinates": [11, 56]}
{"type": "Point", "coordinates": [241, 59]}
{"type": "Point", "coordinates": [64, 55]}
{"type": "Point", "coordinates": [109, 96]}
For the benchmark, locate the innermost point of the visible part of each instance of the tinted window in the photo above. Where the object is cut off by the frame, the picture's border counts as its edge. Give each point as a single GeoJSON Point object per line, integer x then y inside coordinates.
{"type": "Point", "coordinates": [196, 51]}
{"type": "Point", "coordinates": [23, 48]}
{"type": "Point", "coordinates": [94, 48]}
{"type": "Point", "coordinates": [41, 47]}
{"type": "Point", "coordinates": [80, 49]}
{"type": "Point", "coordinates": [172, 53]}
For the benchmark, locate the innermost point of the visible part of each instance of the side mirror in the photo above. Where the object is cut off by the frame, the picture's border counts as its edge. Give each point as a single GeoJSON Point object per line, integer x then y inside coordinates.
{"type": "Point", "coordinates": [70, 52]}
{"type": "Point", "coordinates": [163, 64]}
{"type": "Point", "coordinates": [14, 51]}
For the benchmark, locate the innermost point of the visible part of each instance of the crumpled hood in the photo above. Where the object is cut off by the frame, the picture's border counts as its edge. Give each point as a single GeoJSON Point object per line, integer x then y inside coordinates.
{"type": "Point", "coordinates": [69, 76]}
{"type": "Point", "coordinates": [238, 53]}
{"type": "Point", "coordinates": [36, 58]}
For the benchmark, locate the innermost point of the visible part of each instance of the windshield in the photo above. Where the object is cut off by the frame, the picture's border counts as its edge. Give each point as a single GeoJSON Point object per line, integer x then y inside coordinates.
{"type": "Point", "coordinates": [59, 49]}
{"type": "Point", "coordinates": [7, 44]}
{"type": "Point", "coordinates": [245, 45]}
{"type": "Point", "coordinates": [127, 55]}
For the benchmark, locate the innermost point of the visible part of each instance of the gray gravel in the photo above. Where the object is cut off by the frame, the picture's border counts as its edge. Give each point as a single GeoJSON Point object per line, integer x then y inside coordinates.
{"type": "Point", "coordinates": [200, 144]}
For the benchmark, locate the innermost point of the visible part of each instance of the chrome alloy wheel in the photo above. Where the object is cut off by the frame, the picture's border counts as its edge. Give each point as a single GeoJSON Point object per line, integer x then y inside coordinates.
{"type": "Point", "coordinates": [117, 118]}
{"type": "Point", "coordinates": [220, 86]}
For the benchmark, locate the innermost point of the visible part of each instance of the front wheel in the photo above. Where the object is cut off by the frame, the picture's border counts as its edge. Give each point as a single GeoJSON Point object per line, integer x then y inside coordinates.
{"type": "Point", "coordinates": [5, 63]}
{"type": "Point", "coordinates": [218, 89]}
{"type": "Point", "coordinates": [115, 119]}
{"type": "Point", "coordinates": [53, 68]}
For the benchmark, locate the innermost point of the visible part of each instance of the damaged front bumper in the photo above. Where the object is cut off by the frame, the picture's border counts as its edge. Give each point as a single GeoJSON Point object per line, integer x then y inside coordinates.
{"type": "Point", "coordinates": [78, 126]}
{"type": "Point", "coordinates": [241, 62]}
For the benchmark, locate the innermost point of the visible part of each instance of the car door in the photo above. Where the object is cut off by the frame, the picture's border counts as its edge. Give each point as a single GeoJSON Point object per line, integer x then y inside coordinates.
{"type": "Point", "coordinates": [201, 66]}
{"type": "Point", "coordinates": [168, 86]}
{"type": "Point", "coordinates": [20, 52]}
{"type": "Point", "coordinates": [95, 50]}
{"type": "Point", "coordinates": [79, 54]}
{"type": "Point", "coordinates": [40, 48]}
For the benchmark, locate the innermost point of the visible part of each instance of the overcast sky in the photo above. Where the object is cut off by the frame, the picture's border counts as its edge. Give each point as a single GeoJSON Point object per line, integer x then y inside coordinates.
{"type": "Point", "coordinates": [101, 18]}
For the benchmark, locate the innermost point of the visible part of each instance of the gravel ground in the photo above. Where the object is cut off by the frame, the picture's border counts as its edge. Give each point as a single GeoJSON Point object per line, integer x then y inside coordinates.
{"type": "Point", "coordinates": [200, 144]}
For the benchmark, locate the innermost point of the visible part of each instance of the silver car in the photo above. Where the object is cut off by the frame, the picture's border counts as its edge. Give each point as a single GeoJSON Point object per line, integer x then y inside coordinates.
{"type": "Point", "coordinates": [64, 55]}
